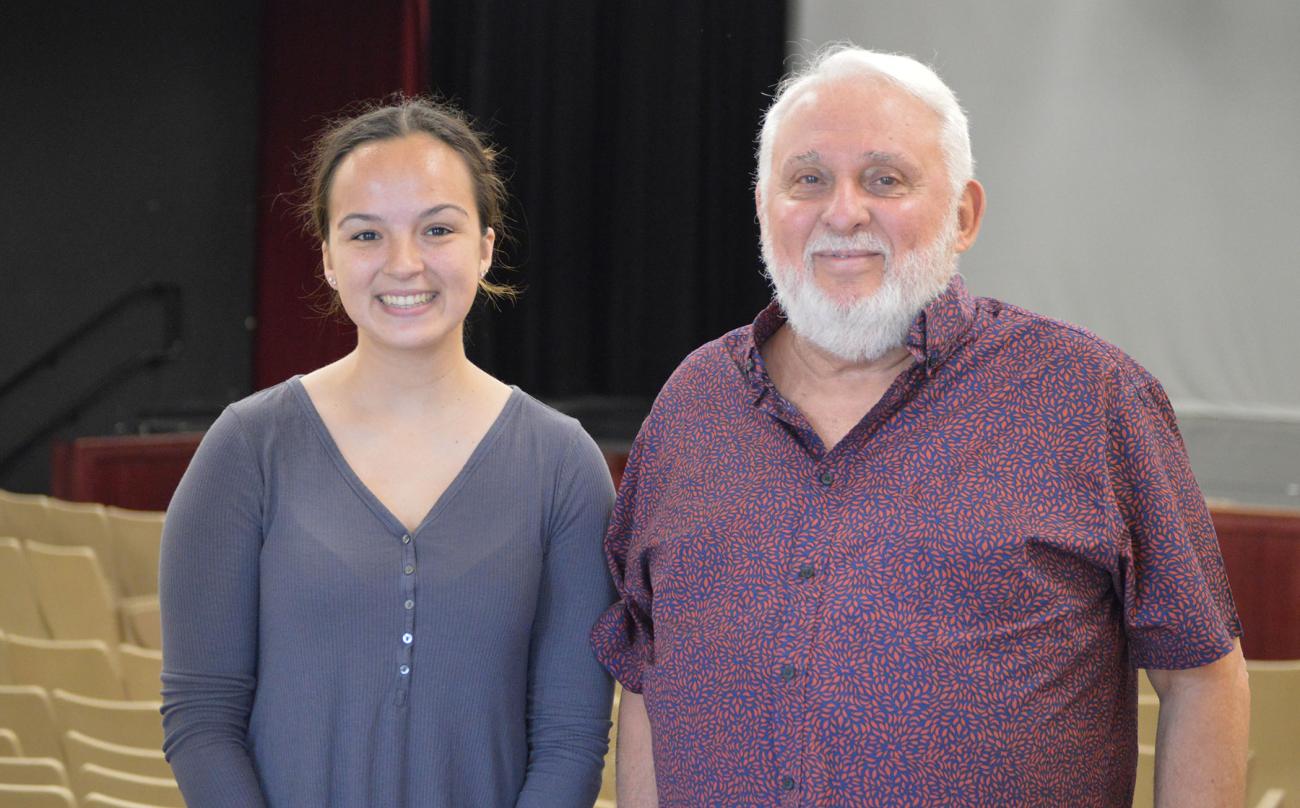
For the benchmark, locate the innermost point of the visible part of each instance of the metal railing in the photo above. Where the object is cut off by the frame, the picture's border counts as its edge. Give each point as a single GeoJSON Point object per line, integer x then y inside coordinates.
{"type": "Point", "coordinates": [168, 295]}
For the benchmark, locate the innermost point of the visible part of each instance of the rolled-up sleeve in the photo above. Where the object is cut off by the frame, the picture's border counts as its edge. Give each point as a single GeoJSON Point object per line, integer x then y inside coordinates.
{"type": "Point", "coordinates": [623, 638]}
{"type": "Point", "coordinates": [208, 588]}
{"type": "Point", "coordinates": [1178, 608]}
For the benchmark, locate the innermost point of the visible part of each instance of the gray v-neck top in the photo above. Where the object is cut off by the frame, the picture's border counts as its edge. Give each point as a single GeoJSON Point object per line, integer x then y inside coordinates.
{"type": "Point", "coordinates": [315, 654]}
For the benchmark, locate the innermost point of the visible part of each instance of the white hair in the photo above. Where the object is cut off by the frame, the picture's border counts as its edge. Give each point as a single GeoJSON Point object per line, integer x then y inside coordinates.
{"type": "Point", "coordinates": [846, 61]}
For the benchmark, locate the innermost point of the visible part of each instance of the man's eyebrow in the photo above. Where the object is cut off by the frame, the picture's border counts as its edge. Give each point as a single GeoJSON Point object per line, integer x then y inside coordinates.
{"type": "Point", "coordinates": [370, 217]}
{"type": "Point", "coordinates": [810, 156]}
{"type": "Point", "coordinates": [891, 159]}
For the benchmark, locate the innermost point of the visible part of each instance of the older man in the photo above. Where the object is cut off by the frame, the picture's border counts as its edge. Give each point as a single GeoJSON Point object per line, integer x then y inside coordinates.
{"type": "Point", "coordinates": [893, 545]}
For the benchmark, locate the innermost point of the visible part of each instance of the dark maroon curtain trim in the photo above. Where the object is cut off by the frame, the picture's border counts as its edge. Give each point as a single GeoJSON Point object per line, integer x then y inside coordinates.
{"type": "Point", "coordinates": [317, 59]}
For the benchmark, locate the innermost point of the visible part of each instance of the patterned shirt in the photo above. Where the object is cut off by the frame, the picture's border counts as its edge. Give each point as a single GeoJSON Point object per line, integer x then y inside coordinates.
{"type": "Point", "coordinates": [946, 608]}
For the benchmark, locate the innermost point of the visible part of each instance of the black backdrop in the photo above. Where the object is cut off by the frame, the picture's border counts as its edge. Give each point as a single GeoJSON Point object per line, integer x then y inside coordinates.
{"type": "Point", "coordinates": [629, 131]}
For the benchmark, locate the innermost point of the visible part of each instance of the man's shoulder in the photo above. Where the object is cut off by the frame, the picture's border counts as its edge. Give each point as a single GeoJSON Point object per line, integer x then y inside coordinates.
{"type": "Point", "coordinates": [703, 381]}
{"type": "Point", "coordinates": [717, 362]}
{"type": "Point", "coordinates": [1025, 336]}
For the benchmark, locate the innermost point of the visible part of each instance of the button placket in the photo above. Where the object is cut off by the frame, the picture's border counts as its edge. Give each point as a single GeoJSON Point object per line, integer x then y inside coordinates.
{"type": "Point", "coordinates": [794, 638]}
{"type": "Point", "coordinates": [407, 601]}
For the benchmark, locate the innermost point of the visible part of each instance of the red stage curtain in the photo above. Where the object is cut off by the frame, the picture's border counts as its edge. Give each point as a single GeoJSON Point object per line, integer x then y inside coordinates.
{"type": "Point", "coordinates": [317, 58]}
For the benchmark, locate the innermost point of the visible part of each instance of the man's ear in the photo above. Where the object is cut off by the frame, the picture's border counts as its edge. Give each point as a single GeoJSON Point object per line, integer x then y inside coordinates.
{"type": "Point", "coordinates": [970, 214]}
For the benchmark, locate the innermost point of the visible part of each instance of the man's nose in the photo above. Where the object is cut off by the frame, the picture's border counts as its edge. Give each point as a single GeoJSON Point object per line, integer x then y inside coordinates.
{"type": "Point", "coordinates": [847, 209]}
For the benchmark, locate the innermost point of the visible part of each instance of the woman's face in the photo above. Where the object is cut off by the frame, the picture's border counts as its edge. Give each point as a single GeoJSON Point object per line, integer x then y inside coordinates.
{"type": "Point", "coordinates": [405, 249]}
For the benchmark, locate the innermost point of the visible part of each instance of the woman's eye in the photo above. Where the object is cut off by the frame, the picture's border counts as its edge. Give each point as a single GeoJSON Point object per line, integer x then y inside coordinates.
{"type": "Point", "coordinates": [437, 230]}
{"type": "Point", "coordinates": [365, 235]}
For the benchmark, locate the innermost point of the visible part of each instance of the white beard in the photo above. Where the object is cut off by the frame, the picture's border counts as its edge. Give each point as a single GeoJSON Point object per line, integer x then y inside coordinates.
{"type": "Point", "coordinates": [865, 329]}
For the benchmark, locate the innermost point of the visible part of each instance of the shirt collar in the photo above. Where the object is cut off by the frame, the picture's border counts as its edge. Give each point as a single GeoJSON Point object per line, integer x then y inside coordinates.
{"type": "Point", "coordinates": [941, 327]}
{"type": "Point", "coordinates": [936, 333]}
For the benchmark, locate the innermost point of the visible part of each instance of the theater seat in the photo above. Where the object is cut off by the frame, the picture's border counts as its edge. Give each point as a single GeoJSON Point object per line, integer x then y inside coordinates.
{"type": "Point", "coordinates": [36, 797]}
{"type": "Point", "coordinates": [129, 723]}
{"type": "Point", "coordinates": [78, 666]}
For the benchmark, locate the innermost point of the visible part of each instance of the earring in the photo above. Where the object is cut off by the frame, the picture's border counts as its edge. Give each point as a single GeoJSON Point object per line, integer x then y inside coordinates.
{"type": "Point", "coordinates": [330, 279]}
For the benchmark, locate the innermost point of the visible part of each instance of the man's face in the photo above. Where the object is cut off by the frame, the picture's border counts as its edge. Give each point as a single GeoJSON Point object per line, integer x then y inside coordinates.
{"type": "Point", "coordinates": [860, 226]}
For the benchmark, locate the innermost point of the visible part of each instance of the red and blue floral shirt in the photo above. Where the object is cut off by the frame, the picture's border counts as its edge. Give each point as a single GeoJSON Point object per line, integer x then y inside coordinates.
{"type": "Point", "coordinates": [945, 608]}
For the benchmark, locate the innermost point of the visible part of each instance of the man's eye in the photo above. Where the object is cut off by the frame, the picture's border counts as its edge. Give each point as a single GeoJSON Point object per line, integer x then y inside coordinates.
{"type": "Point", "coordinates": [808, 179]}
{"type": "Point", "coordinates": [365, 235]}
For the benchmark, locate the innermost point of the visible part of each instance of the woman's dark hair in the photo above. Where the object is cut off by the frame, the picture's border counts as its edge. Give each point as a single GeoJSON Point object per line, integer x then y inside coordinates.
{"type": "Point", "coordinates": [408, 116]}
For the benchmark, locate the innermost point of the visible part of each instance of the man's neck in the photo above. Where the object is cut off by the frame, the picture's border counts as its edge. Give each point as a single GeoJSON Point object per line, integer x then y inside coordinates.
{"type": "Point", "coordinates": [833, 393]}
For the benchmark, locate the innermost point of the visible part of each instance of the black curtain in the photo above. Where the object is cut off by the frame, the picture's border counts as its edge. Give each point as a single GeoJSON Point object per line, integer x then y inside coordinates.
{"type": "Point", "coordinates": [629, 132]}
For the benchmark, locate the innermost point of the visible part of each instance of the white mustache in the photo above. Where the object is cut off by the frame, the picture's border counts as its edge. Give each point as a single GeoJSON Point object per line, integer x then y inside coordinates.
{"type": "Point", "coordinates": [830, 242]}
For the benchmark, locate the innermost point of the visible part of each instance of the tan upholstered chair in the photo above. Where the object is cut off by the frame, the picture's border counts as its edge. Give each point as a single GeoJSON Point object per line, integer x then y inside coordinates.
{"type": "Point", "coordinates": [10, 746]}
{"type": "Point", "coordinates": [137, 539]}
{"type": "Point", "coordinates": [25, 771]}
{"type": "Point", "coordinates": [141, 672]}
{"type": "Point", "coordinates": [82, 749]}
{"type": "Point", "coordinates": [103, 801]}
{"type": "Point", "coordinates": [74, 595]}
{"type": "Point", "coordinates": [129, 723]}
{"type": "Point", "coordinates": [142, 620]}
{"type": "Point", "coordinates": [79, 666]}
{"type": "Point", "coordinates": [111, 783]}
{"type": "Point", "coordinates": [1144, 792]}
{"type": "Point", "coordinates": [24, 515]}
{"type": "Point", "coordinates": [1148, 718]}
{"type": "Point", "coordinates": [36, 797]}
{"type": "Point", "coordinates": [1274, 729]}
{"type": "Point", "coordinates": [82, 524]}
{"type": "Point", "coordinates": [607, 790]}
{"type": "Point", "coordinates": [19, 611]}
{"type": "Point", "coordinates": [26, 711]}
{"type": "Point", "coordinates": [1144, 684]}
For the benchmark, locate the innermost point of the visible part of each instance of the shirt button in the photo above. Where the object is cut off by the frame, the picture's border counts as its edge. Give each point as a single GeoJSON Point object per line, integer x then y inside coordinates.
{"type": "Point", "coordinates": [826, 478]}
{"type": "Point", "coordinates": [788, 672]}
{"type": "Point", "coordinates": [406, 638]}
{"type": "Point", "coordinates": [405, 669]}
{"type": "Point", "coordinates": [788, 783]}
{"type": "Point", "coordinates": [408, 569]}
{"type": "Point", "coordinates": [406, 538]}
{"type": "Point", "coordinates": [807, 571]}
{"type": "Point", "coordinates": [410, 604]}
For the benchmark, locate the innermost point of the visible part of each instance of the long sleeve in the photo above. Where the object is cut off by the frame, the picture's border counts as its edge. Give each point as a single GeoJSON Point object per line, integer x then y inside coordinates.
{"type": "Point", "coordinates": [209, 593]}
{"type": "Point", "coordinates": [569, 693]}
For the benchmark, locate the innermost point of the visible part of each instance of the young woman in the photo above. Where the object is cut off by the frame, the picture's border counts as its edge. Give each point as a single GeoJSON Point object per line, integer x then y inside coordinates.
{"type": "Point", "coordinates": [378, 578]}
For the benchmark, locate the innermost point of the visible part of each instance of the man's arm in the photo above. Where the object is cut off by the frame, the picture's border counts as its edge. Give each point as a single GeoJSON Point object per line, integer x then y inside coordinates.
{"type": "Point", "coordinates": [634, 764]}
{"type": "Point", "coordinates": [1201, 739]}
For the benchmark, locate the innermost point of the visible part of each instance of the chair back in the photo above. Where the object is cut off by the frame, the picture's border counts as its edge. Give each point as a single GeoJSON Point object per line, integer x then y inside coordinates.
{"type": "Point", "coordinates": [25, 710]}
{"type": "Point", "coordinates": [82, 524]}
{"type": "Point", "coordinates": [36, 797]}
{"type": "Point", "coordinates": [19, 611]}
{"type": "Point", "coordinates": [79, 666]}
{"type": "Point", "coordinates": [129, 723]}
{"type": "Point", "coordinates": [103, 801]}
{"type": "Point", "coordinates": [24, 515]}
{"type": "Point", "coordinates": [141, 672]}
{"type": "Point", "coordinates": [10, 746]}
{"type": "Point", "coordinates": [25, 771]}
{"type": "Point", "coordinates": [74, 595]}
{"type": "Point", "coordinates": [137, 540]}
{"type": "Point", "coordinates": [143, 619]}
{"type": "Point", "coordinates": [83, 749]}
{"type": "Point", "coordinates": [149, 790]}
{"type": "Point", "coordinates": [1274, 728]}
